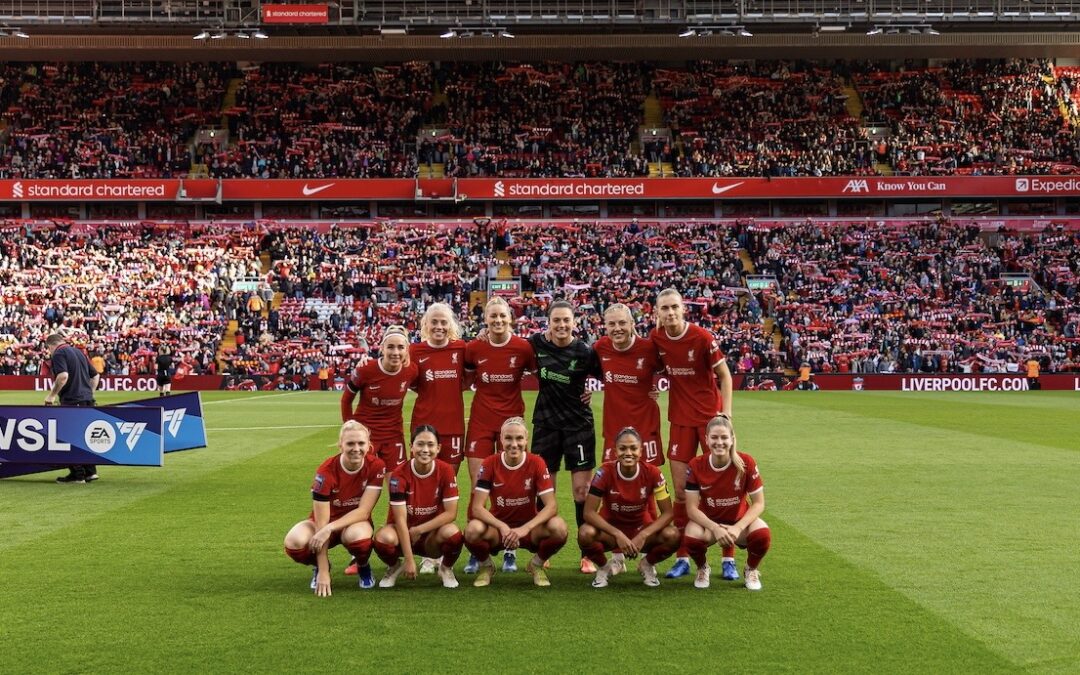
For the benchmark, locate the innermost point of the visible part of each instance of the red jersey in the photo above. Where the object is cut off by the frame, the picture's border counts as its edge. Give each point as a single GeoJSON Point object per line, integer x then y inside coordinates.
{"type": "Point", "coordinates": [689, 360]}
{"type": "Point", "coordinates": [628, 381]}
{"type": "Point", "coordinates": [343, 489]}
{"type": "Point", "coordinates": [422, 496]}
{"type": "Point", "coordinates": [438, 386]}
{"type": "Point", "coordinates": [626, 501]}
{"type": "Point", "coordinates": [498, 380]}
{"type": "Point", "coordinates": [513, 491]}
{"type": "Point", "coordinates": [382, 396]}
{"type": "Point", "coordinates": [723, 498]}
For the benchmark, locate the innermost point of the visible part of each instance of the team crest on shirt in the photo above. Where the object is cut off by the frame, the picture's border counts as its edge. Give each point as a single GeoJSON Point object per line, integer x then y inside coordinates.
{"type": "Point", "coordinates": [403, 386]}
{"type": "Point", "coordinates": [690, 355]}
{"type": "Point", "coordinates": [513, 362]}
{"type": "Point", "coordinates": [641, 363]}
{"type": "Point", "coordinates": [528, 483]}
{"type": "Point", "coordinates": [643, 491]}
{"type": "Point", "coordinates": [453, 358]}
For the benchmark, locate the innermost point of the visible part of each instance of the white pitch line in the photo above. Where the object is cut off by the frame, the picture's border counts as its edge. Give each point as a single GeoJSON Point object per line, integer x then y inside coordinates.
{"type": "Point", "coordinates": [253, 398]}
{"type": "Point", "coordinates": [298, 426]}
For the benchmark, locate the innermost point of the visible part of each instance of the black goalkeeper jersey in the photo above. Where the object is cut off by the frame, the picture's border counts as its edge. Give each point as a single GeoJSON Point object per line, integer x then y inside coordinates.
{"type": "Point", "coordinates": [562, 372]}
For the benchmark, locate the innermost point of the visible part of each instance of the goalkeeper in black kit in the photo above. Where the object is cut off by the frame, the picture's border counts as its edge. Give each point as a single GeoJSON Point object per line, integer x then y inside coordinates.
{"type": "Point", "coordinates": [563, 427]}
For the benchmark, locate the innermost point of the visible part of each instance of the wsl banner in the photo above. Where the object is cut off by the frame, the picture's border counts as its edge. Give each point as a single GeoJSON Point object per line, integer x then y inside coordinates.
{"type": "Point", "coordinates": [50, 435]}
{"type": "Point", "coordinates": [182, 419]}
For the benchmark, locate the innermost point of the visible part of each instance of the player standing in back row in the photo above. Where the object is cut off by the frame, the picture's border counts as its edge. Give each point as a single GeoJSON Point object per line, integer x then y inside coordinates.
{"type": "Point", "coordinates": [695, 367]}
{"type": "Point", "coordinates": [563, 426]}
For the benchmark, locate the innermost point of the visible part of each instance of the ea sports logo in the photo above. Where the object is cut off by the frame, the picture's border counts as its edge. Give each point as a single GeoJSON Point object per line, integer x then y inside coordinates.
{"type": "Point", "coordinates": [17, 190]}
{"type": "Point", "coordinates": [99, 437]}
{"type": "Point", "coordinates": [500, 189]}
{"type": "Point", "coordinates": [1023, 184]}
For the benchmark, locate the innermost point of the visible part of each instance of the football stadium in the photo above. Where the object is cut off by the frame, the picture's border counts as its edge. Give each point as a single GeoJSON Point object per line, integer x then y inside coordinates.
{"type": "Point", "coordinates": [466, 335]}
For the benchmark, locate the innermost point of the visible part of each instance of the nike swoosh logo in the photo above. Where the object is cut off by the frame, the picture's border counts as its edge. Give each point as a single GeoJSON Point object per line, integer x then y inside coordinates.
{"type": "Point", "coordinates": [374, 388]}
{"type": "Point", "coordinates": [497, 484]}
{"type": "Point", "coordinates": [605, 358]}
{"type": "Point", "coordinates": [308, 191]}
{"type": "Point", "coordinates": [717, 190]}
{"type": "Point", "coordinates": [424, 360]}
{"type": "Point", "coordinates": [481, 361]}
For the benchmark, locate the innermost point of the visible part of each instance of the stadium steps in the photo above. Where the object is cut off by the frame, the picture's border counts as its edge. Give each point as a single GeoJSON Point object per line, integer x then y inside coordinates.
{"type": "Point", "coordinates": [661, 169]}
{"type": "Point", "coordinates": [477, 298]}
{"type": "Point", "coordinates": [883, 169]}
{"type": "Point", "coordinates": [506, 271]}
{"type": "Point", "coordinates": [747, 261]}
{"type": "Point", "coordinates": [654, 112]}
{"type": "Point", "coordinates": [229, 100]}
{"type": "Point", "coordinates": [853, 103]}
{"type": "Point", "coordinates": [227, 344]}
{"type": "Point", "coordinates": [432, 171]}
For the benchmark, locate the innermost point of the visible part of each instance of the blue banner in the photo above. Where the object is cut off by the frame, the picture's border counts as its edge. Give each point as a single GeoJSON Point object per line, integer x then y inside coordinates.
{"type": "Point", "coordinates": [182, 420]}
{"type": "Point", "coordinates": [38, 435]}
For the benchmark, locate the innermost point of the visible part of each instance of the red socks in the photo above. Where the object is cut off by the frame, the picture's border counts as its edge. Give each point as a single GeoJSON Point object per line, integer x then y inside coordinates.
{"type": "Point", "coordinates": [549, 547]}
{"type": "Point", "coordinates": [757, 545]}
{"type": "Point", "coordinates": [361, 550]}
{"type": "Point", "coordinates": [657, 554]}
{"type": "Point", "coordinates": [481, 550]}
{"type": "Point", "coordinates": [681, 519]}
{"type": "Point", "coordinates": [729, 552]}
{"type": "Point", "coordinates": [451, 549]}
{"type": "Point", "coordinates": [595, 553]}
{"type": "Point", "coordinates": [304, 556]}
{"type": "Point", "coordinates": [696, 549]}
{"type": "Point", "coordinates": [388, 553]}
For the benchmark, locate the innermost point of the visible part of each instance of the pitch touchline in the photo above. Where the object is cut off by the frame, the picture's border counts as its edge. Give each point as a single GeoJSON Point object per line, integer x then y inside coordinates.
{"type": "Point", "coordinates": [252, 398]}
{"type": "Point", "coordinates": [298, 426]}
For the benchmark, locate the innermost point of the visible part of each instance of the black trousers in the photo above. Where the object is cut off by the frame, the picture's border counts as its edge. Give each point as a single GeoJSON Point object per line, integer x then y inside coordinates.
{"type": "Point", "coordinates": [81, 470]}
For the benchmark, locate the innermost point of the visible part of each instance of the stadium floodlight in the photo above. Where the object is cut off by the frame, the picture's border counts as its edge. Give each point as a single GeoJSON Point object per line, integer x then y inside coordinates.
{"type": "Point", "coordinates": [259, 35]}
{"type": "Point", "coordinates": [450, 33]}
{"type": "Point", "coordinates": [220, 35]}
{"type": "Point", "coordinates": [930, 31]}
{"type": "Point", "coordinates": [243, 36]}
{"type": "Point", "coordinates": [201, 35]}
{"type": "Point", "coordinates": [876, 30]}
{"type": "Point", "coordinates": [689, 32]}
{"type": "Point", "coordinates": [506, 34]}
{"type": "Point", "coordinates": [744, 33]}
{"type": "Point", "coordinates": [20, 34]}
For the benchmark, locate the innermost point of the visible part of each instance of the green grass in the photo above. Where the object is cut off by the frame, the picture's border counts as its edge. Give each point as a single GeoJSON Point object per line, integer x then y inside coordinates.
{"type": "Point", "coordinates": [912, 533]}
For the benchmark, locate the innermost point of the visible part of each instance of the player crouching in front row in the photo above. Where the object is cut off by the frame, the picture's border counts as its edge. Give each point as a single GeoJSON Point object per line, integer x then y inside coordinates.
{"type": "Point", "coordinates": [353, 479]}
{"type": "Point", "coordinates": [717, 487]}
{"type": "Point", "coordinates": [513, 480]}
{"type": "Point", "coordinates": [423, 507]}
{"type": "Point", "coordinates": [619, 513]}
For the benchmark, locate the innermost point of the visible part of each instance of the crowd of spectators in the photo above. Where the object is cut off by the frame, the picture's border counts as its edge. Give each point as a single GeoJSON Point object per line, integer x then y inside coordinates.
{"type": "Point", "coordinates": [81, 119]}
{"type": "Point", "coordinates": [972, 117]}
{"type": "Point", "coordinates": [926, 296]}
{"type": "Point", "coordinates": [888, 296]}
{"type": "Point", "coordinates": [761, 119]}
{"type": "Point", "coordinates": [121, 291]}
{"type": "Point", "coordinates": [765, 118]}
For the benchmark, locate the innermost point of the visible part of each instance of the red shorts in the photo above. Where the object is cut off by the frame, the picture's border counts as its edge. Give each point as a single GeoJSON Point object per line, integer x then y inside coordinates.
{"type": "Point", "coordinates": [481, 443]}
{"type": "Point", "coordinates": [683, 442]}
{"type": "Point", "coordinates": [390, 450]}
{"type": "Point", "coordinates": [630, 533]}
{"type": "Point", "coordinates": [335, 537]}
{"type": "Point", "coordinates": [451, 449]}
{"type": "Point", "coordinates": [652, 450]}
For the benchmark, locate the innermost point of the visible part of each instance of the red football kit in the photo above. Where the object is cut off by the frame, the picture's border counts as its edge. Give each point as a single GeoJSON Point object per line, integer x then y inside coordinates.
{"type": "Point", "coordinates": [382, 396]}
{"type": "Point", "coordinates": [689, 360]}
{"type": "Point", "coordinates": [628, 381]}
{"type": "Point", "coordinates": [499, 369]}
{"type": "Point", "coordinates": [334, 484]}
{"type": "Point", "coordinates": [723, 497]}
{"type": "Point", "coordinates": [513, 490]}
{"type": "Point", "coordinates": [423, 496]}
{"type": "Point", "coordinates": [440, 371]}
{"type": "Point", "coordinates": [629, 503]}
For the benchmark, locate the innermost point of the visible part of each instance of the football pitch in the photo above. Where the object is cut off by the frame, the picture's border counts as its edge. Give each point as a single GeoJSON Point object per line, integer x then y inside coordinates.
{"type": "Point", "coordinates": [929, 532]}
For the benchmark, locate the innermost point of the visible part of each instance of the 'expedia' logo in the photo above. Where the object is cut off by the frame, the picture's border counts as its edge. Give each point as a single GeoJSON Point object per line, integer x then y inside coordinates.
{"type": "Point", "coordinates": [857, 186]}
